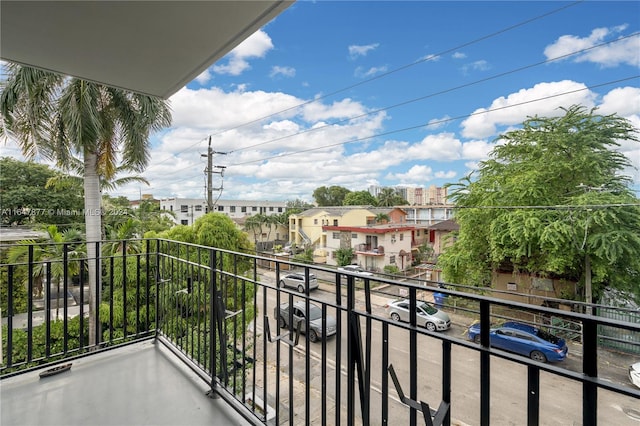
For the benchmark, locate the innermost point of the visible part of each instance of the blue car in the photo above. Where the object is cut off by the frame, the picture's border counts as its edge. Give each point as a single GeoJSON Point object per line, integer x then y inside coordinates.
{"type": "Point", "coordinates": [525, 340]}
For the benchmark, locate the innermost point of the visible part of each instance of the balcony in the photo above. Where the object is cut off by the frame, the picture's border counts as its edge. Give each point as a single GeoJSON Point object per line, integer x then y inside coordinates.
{"type": "Point", "coordinates": [187, 335]}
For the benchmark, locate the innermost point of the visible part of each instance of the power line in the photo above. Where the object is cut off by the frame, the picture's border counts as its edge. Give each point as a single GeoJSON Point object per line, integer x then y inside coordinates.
{"type": "Point", "coordinates": [386, 74]}
{"type": "Point", "coordinates": [435, 122]}
{"type": "Point", "coordinates": [441, 92]}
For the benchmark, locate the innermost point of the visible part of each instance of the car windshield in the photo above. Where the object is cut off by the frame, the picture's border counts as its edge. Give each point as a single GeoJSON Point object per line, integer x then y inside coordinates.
{"type": "Point", "coordinates": [314, 313]}
{"type": "Point", "coordinates": [427, 308]}
{"type": "Point", "coordinates": [548, 337]}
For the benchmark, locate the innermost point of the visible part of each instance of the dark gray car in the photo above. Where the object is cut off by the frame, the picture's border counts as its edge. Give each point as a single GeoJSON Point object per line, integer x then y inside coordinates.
{"type": "Point", "coordinates": [299, 316]}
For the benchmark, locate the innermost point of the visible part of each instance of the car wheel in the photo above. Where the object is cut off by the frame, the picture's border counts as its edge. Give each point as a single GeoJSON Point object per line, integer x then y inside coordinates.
{"type": "Point", "coordinates": [300, 289]}
{"type": "Point", "coordinates": [538, 356]}
{"type": "Point", "coordinates": [313, 336]}
{"type": "Point", "coordinates": [430, 326]}
{"type": "Point", "coordinates": [281, 283]}
{"type": "Point", "coordinates": [395, 316]}
{"type": "Point", "coordinates": [476, 338]}
{"type": "Point", "coordinates": [281, 322]}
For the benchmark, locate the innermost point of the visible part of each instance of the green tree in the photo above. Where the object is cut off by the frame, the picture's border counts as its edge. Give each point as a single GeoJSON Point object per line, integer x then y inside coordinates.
{"type": "Point", "coordinates": [382, 218]}
{"type": "Point", "coordinates": [389, 197]}
{"type": "Point", "coordinates": [344, 256]}
{"type": "Point", "coordinates": [24, 197]}
{"type": "Point", "coordinates": [330, 196]}
{"type": "Point", "coordinates": [62, 118]}
{"type": "Point", "coordinates": [552, 200]}
{"type": "Point", "coordinates": [360, 198]}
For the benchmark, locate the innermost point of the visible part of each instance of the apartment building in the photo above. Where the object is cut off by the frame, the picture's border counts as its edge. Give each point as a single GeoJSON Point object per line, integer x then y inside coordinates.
{"type": "Point", "coordinates": [187, 210]}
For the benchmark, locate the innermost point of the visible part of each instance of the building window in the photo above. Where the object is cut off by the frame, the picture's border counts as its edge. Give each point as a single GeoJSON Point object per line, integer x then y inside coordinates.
{"type": "Point", "coordinates": [335, 222]}
{"type": "Point", "coordinates": [232, 209]}
{"type": "Point", "coordinates": [401, 237]}
{"type": "Point", "coordinates": [315, 221]}
{"type": "Point", "coordinates": [354, 236]}
{"type": "Point", "coordinates": [184, 222]}
{"type": "Point", "coordinates": [198, 208]}
{"type": "Point", "coordinates": [392, 260]}
{"type": "Point", "coordinates": [279, 209]}
{"type": "Point", "coordinates": [243, 209]}
{"type": "Point", "coordinates": [184, 208]}
{"type": "Point", "coordinates": [220, 208]}
{"type": "Point", "coordinates": [270, 209]}
{"type": "Point", "coordinates": [164, 207]}
{"type": "Point", "coordinates": [336, 235]}
{"type": "Point", "coordinates": [171, 207]}
{"type": "Point", "coordinates": [254, 209]}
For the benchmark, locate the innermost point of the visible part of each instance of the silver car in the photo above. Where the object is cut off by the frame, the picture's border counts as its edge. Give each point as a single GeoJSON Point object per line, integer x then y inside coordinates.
{"type": "Point", "coordinates": [426, 315]}
{"type": "Point", "coordinates": [316, 331]}
{"type": "Point", "coordinates": [297, 280]}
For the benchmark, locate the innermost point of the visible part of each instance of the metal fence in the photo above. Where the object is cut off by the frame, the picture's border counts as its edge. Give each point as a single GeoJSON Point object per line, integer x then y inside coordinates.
{"type": "Point", "coordinates": [233, 323]}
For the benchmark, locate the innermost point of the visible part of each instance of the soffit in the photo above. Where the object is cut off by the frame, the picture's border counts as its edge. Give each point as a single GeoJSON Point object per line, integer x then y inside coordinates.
{"type": "Point", "coordinates": [152, 47]}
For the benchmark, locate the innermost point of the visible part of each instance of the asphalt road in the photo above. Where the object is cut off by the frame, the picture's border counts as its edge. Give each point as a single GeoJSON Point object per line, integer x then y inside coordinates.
{"type": "Point", "coordinates": [560, 398]}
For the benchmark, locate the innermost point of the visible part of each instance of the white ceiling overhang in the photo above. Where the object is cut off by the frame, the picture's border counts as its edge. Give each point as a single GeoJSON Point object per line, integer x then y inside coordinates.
{"type": "Point", "coordinates": [151, 47]}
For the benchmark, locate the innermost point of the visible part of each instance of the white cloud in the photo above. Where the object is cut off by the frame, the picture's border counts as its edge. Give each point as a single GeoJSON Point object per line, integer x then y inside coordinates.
{"type": "Point", "coordinates": [624, 51]}
{"type": "Point", "coordinates": [417, 173]}
{"type": "Point", "coordinates": [204, 77]}
{"type": "Point", "coordinates": [437, 123]}
{"type": "Point", "coordinates": [283, 71]}
{"type": "Point", "coordinates": [356, 51]}
{"type": "Point", "coordinates": [362, 73]}
{"type": "Point", "coordinates": [255, 46]}
{"type": "Point", "coordinates": [480, 65]}
{"type": "Point", "coordinates": [542, 99]}
{"type": "Point", "coordinates": [459, 55]}
{"type": "Point", "coordinates": [624, 101]}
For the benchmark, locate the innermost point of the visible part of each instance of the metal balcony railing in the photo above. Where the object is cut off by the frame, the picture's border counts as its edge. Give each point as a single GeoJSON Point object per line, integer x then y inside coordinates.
{"type": "Point", "coordinates": [231, 322]}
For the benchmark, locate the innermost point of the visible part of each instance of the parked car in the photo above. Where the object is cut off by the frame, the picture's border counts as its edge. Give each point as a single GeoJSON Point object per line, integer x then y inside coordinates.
{"type": "Point", "coordinates": [525, 340]}
{"type": "Point", "coordinates": [297, 280]}
{"type": "Point", "coordinates": [634, 374]}
{"type": "Point", "coordinates": [355, 269]}
{"type": "Point", "coordinates": [316, 332]}
{"type": "Point", "coordinates": [426, 315]}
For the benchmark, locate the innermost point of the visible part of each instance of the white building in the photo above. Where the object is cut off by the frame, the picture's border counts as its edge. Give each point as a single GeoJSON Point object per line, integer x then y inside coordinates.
{"type": "Point", "coordinates": [187, 210]}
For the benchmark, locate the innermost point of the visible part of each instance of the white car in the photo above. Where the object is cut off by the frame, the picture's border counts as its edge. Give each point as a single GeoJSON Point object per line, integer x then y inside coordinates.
{"type": "Point", "coordinates": [426, 315]}
{"type": "Point", "coordinates": [355, 269]}
{"type": "Point", "coordinates": [297, 280]}
{"type": "Point", "coordinates": [634, 374]}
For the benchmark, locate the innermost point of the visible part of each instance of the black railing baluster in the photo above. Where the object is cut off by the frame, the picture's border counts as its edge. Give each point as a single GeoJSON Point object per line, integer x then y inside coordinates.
{"type": "Point", "coordinates": [9, 316]}
{"type": "Point", "coordinates": [485, 373]}
{"type": "Point", "coordinates": [47, 310]}
{"type": "Point", "coordinates": [81, 297]}
{"type": "Point", "coordinates": [30, 306]}
{"type": "Point", "coordinates": [65, 303]}
{"type": "Point", "coordinates": [385, 377]}
{"type": "Point", "coordinates": [111, 288]}
{"type": "Point", "coordinates": [413, 355]}
{"type": "Point", "coordinates": [124, 289]}
{"type": "Point", "coordinates": [533, 395]}
{"type": "Point", "coordinates": [137, 332]}
{"type": "Point", "coordinates": [590, 369]}
{"type": "Point", "coordinates": [446, 379]}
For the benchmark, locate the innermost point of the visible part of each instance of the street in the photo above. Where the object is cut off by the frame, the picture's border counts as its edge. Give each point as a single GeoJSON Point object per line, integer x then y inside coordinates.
{"type": "Point", "coordinates": [558, 396]}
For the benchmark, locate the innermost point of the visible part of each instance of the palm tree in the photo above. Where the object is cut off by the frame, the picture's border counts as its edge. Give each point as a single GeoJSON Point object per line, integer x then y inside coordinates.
{"type": "Point", "coordinates": [59, 117]}
{"type": "Point", "coordinates": [75, 180]}
{"type": "Point", "coordinates": [382, 218]}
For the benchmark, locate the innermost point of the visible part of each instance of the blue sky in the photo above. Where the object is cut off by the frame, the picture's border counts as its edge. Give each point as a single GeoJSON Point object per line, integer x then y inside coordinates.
{"type": "Point", "coordinates": [391, 93]}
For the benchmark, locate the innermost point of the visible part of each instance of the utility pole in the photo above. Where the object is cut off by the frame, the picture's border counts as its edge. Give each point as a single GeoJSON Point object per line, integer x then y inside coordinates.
{"type": "Point", "coordinates": [209, 171]}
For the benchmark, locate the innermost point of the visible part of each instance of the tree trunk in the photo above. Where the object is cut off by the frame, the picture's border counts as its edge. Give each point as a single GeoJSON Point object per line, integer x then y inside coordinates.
{"type": "Point", "coordinates": [93, 224]}
{"type": "Point", "coordinates": [588, 292]}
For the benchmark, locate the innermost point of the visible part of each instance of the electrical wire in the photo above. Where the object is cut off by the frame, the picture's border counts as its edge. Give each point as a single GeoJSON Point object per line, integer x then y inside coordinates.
{"type": "Point", "coordinates": [432, 123]}
{"type": "Point", "coordinates": [381, 76]}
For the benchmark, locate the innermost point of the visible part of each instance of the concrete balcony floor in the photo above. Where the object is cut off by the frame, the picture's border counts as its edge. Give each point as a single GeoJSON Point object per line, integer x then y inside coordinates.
{"type": "Point", "coordinates": [139, 384]}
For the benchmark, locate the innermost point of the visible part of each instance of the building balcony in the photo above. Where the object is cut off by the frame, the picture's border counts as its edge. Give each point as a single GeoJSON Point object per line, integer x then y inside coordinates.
{"type": "Point", "coordinates": [186, 334]}
{"type": "Point", "coordinates": [369, 250]}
